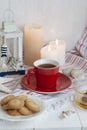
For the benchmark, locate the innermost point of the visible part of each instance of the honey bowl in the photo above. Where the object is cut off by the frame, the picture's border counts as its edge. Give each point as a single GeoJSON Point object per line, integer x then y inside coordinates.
{"type": "Point", "coordinates": [80, 97]}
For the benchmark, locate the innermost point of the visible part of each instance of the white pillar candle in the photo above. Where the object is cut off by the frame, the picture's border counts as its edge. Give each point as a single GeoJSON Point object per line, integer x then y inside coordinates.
{"type": "Point", "coordinates": [33, 42]}
{"type": "Point", "coordinates": [54, 50]}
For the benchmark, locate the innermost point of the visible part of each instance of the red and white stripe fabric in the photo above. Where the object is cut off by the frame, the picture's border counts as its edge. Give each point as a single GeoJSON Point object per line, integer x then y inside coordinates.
{"type": "Point", "coordinates": [81, 44]}
{"type": "Point", "coordinates": [76, 60]}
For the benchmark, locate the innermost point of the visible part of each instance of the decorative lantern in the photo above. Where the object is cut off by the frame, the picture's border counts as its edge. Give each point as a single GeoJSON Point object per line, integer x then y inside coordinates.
{"type": "Point", "coordinates": [11, 44]}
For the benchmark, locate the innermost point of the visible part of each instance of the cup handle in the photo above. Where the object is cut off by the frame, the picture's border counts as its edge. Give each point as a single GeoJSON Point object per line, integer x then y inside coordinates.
{"type": "Point", "coordinates": [30, 73]}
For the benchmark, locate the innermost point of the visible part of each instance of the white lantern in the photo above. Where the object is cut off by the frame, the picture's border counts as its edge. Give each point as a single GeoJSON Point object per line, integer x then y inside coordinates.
{"type": "Point", "coordinates": [14, 42]}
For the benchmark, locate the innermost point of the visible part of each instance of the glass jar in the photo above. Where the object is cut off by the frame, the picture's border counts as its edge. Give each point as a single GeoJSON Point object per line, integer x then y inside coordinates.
{"type": "Point", "coordinates": [81, 94]}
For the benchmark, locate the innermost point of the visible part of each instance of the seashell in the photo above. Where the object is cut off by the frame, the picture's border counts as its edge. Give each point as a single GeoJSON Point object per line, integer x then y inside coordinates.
{"type": "Point", "coordinates": [66, 113]}
{"type": "Point", "coordinates": [77, 73]}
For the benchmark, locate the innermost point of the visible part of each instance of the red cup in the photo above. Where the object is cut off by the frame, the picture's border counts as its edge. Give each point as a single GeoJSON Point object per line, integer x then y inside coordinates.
{"type": "Point", "coordinates": [46, 73]}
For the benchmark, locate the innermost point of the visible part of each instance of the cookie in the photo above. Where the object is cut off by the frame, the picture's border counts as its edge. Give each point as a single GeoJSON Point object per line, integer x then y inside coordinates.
{"type": "Point", "coordinates": [29, 100]}
{"type": "Point", "coordinates": [7, 99]}
{"type": "Point", "coordinates": [32, 106]}
{"type": "Point", "coordinates": [25, 111]}
{"type": "Point", "coordinates": [5, 107]}
{"type": "Point", "coordinates": [13, 112]}
{"type": "Point", "coordinates": [22, 97]}
{"type": "Point", "coordinates": [15, 104]}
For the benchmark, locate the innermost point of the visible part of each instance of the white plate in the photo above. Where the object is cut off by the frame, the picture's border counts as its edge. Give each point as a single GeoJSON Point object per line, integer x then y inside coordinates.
{"type": "Point", "coordinates": [5, 116]}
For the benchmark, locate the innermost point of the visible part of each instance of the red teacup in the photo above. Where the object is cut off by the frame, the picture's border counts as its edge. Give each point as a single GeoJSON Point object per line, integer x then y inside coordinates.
{"type": "Point", "coordinates": [46, 73]}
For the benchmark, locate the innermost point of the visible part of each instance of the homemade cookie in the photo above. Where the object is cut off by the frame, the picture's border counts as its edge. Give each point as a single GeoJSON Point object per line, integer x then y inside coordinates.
{"type": "Point", "coordinates": [25, 111]}
{"type": "Point", "coordinates": [15, 104]}
{"type": "Point", "coordinates": [7, 99]}
{"type": "Point", "coordinates": [13, 112]}
{"type": "Point", "coordinates": [32, 106]}
{"type": "Point", "coordinates": [5, 107]}
{"type": "Point", "coordinates": [22, 97]}
{"type": "Point", "coordinates": [29, 100]}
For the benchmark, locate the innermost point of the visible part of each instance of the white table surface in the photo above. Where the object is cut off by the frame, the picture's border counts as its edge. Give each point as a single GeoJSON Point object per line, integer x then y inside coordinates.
{"type": "Point", "coordinates": [50, 121]}
{"type": "Point", "coordinates": [82, 114]}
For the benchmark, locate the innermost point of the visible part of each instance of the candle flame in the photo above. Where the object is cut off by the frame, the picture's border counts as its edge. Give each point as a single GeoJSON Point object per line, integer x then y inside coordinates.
{"type": "Point", "coordinates": [49, 48]}
{"type": "Point", "coordinates": [56, 42]}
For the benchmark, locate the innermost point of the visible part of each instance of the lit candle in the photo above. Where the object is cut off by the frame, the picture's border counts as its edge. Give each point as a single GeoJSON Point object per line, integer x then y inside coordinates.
{"type": "Point", "coordinates": [48, 52]}
{"type": "Point", "coordinates": [61, 48]}
{"type": "Point", "coordinates": [54, 50]}
{"type": "Point", "coordinates": [33, 42]}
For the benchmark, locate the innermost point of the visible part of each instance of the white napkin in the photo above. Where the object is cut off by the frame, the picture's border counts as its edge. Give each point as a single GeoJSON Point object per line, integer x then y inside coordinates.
{"type": "Point", "coordinates": [4, 80]}
{"type": "Point", "coordinates": [4, 89]}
